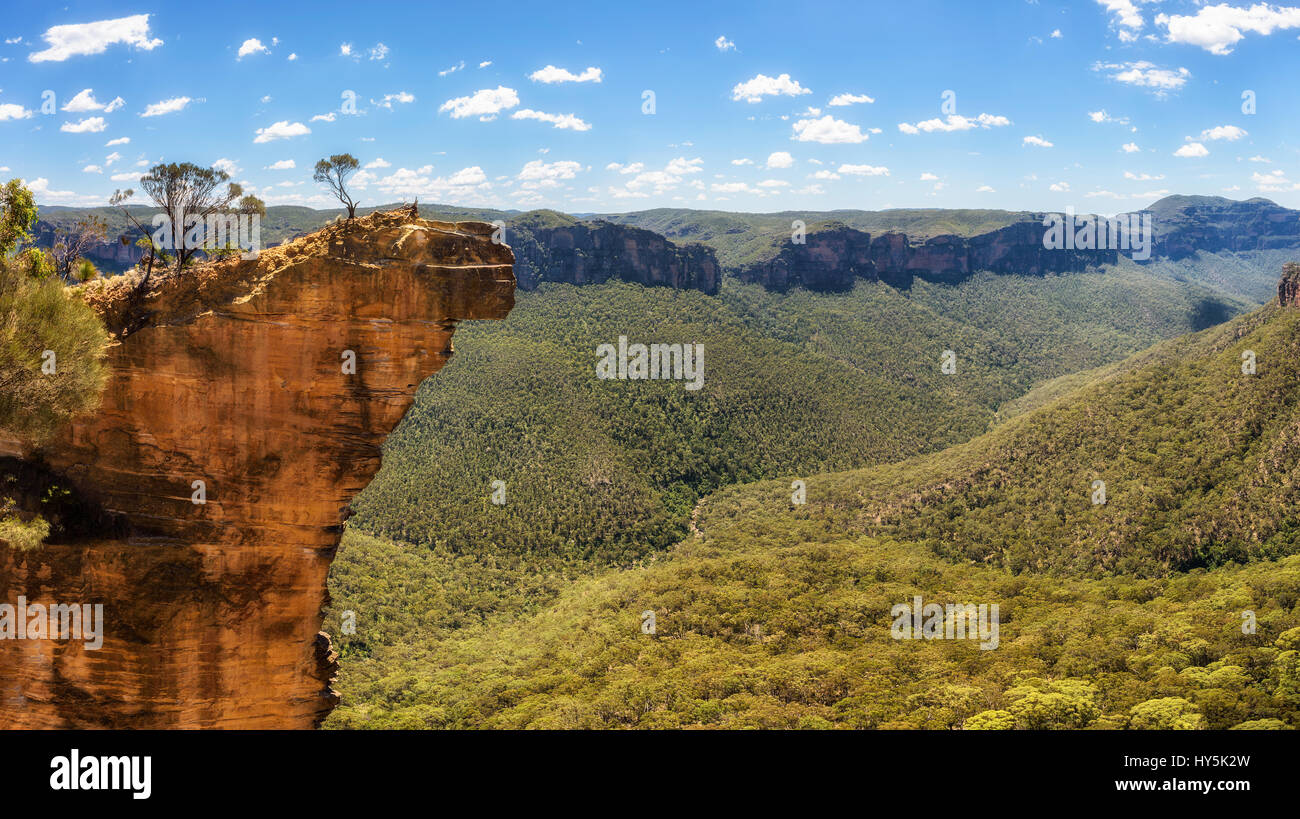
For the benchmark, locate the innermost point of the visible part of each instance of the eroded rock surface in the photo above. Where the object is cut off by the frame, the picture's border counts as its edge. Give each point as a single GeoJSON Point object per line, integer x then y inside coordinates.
{"type": "Point", "coordinates": [238, 378]}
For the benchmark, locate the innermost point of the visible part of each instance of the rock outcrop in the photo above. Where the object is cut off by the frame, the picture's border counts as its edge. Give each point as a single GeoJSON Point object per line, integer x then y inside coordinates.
{"type": "Point", "coordinates": [1288, 288]}
{"type": "Point", "coordinates": [263, 388]}
{"type": "Point", "coordinates": [552, 247]}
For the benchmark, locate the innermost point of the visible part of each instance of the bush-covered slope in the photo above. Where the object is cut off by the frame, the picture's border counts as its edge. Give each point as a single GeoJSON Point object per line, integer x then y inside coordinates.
{"type": "Point", "coordinates": [1133, 613]}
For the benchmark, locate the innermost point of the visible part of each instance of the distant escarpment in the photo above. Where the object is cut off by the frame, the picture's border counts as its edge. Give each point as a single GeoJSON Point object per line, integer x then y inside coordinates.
{"type": "Point", "coordinates": [831, 256]}
{"type": "Point", "coordinates": [204, 500]}
{"type": "Point", "coordinates": [553, 247]}
{"type": "Point", "coordinates": [1187, 224]}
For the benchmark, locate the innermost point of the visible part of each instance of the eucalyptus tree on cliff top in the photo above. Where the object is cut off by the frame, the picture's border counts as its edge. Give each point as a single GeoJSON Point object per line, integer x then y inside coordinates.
{"type": "Point", "coordinates": [335, 173]}
{"type": "Point", "coordinates": [187, 193]}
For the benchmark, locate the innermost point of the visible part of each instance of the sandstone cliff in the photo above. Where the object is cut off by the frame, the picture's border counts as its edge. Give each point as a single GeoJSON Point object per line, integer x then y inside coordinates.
{"type": "Point", "coordinates": [1288, 287]}
{"type": "Point", "coordinates": [553, 247]}
{"type": "Point", "coordinates": [833, 255]}
{"type": "Point", "coordinates": [237, 377]}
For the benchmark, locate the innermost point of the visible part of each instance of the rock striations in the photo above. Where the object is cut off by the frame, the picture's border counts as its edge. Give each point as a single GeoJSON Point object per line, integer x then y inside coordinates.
{"type": "Point", "coordinates": [263, 388]}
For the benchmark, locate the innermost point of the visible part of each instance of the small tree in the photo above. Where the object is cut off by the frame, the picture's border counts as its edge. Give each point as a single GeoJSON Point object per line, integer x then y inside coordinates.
{"type": "Point", "coordinates": [335, 173]}
{"type": "Point", "coordinates": [252, 206]}
{"type": "Point", "coordinates": [17, 215]}
{"type": "Point", "coordinates": [71, 243]}
{"type": "Point", "coordinates": [186, 191]}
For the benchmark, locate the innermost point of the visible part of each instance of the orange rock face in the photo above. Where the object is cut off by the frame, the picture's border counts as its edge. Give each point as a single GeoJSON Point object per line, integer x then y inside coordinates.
{"type": "Point", "coordinates": [268, 384]}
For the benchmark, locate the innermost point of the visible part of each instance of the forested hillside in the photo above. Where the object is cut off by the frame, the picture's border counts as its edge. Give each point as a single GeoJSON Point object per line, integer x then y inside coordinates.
{"type": "Point", "coordinates": [1127, 613]}
{"type": "Point", "coordinates": [605, 473]}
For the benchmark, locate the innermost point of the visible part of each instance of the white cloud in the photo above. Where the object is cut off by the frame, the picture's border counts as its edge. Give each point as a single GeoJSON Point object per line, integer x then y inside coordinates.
{"type": "Point", "coordinates": [89, 125]}
{"type": "Point", "coordinates": [774, 183]}
{"type": "Point", "coordinates": [378, 52]}
{"type": "Point", "coordinates": [402, 97]}
{"type": "Point", "coordinates": [92, 169]}
{"type": "Point", "coordinates": [568, 121]}
{"type": "Point", "coordinates": [824, 174]}
{"type": "Point", "coordinates": [1055, 35]}
{"type": "Point", "coordinates": [955, 122]}
{"type": "Point", "coordinates": [284, 165]}
{"type": "Point", "coordinates": [734, 187]}
{"type": "Point", "coordinates": [81, 39]}
{"type": "Point", "coordinates": [281, 130]}
{"type": "Point", "coordinates": [485, 64]}
{"type": "Point", "coordinates": [1192, 149]}
{"type": "Point", "coordinates": [863, 170]}
{"type": "Point", "coordinates": [985, 189]}
{"type": "Point", "coordinates": [467, 183]}
{"type": "Point", "coordinates": [780, 159]}
{"type": "Point", "coordinates": [742, 161]}
{"type": "Point", "coordinates": [1229, 132]}
{"type": "Point", "coordinates": [452, 69]}
{"type": "Point", "coordinates": [1130, 148]}
{"type": "Point", "coordinates": [85, 101]}
{"type": "Point", "coordinates": [634, 167]}
{"type": "Point", "coordinates": [251, 46]}
{"type": "Point", "coordinates": [111, 158]}
{"type": "Point", "coordinates": [1258, 158]}
{"type": "Point", "coordinates": [1274, 181]}
{"type": "Point", "coordinates": [764, 86]}
{"type": "Point", "coordinates": [929, 177]}
{"type": "Point", "coordinates": [1218, 29]}
{"type": "Point", "coordinates": [484, 104]}
{"type": "Point", "coordinates": [1143, 177]}
{"type": "Point", "coordinates": [1104, 116]}
{"type": "Point", "coordinates": [723, 44]}
{"type": "Point", "coordinates": [1059, 187]}
{"type": "Point", "coordinates": [11, 110]}
{"type": "Point", "coordinates": [848, 99]}
{"type": "Point", "coordinates": [1126, 15]}
{"type": "Point", "coordinates": [658, 182]}
{"type": "Point", "coordinates": [378, 162]}
{"type": "Point", "coordinates": [1144, 74]}
{"type": "Point", "coordinates": [1036, 140]}
{"type": "Point", "coordinates": [828, 131]}
{"type": "Point", "coordinates": [345, 50]}
{"type": "Point", "coordinates": [227, 165]}
{"type": "Point", "coordinates": [118, 141]}
{"type": "Point", "coordinates": [330, 117]}
{"type": "Point", "coordinates": [156, 109]}
{"type": "Point", "coordinates": [292, 57]}
{"type": "Point", "coordinates": [551, 74]}
{"type": "Point", "coordinates": [126, 176]}
{"type": "Point", "coordinates": [538, 174]}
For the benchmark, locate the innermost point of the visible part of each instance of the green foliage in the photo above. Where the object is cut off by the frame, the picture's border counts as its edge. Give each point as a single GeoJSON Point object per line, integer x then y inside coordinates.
{"type": "Point", "coordinates": [21, 535]}
{"type": "Point", "coordinates": [40, 318]}
{"type": "Point", "coordinates": [334, 173]}
{"type": "Point", "coordinates": [17, 215]}
{"type": "Point", "coordinates": [1166, 714]}
{"type": "Point", "coordinates": [778, 616]}
{"type": "Point", "coordinates": [184, 191]}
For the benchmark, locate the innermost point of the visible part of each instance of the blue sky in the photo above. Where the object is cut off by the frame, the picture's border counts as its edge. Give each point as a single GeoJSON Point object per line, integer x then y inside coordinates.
{"type": "Point", "coordinates": [1100, 105]}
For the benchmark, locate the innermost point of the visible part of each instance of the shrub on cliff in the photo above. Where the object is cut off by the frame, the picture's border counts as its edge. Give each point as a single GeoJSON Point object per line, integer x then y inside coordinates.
{"type": "Point", "coordinates": [51, 343]}
{"type": "Point", "coordinates": [51, 354]}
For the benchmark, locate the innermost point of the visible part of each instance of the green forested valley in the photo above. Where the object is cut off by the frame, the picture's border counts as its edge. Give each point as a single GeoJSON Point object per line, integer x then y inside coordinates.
{"type": "Point", "coordinates": [468, 613]}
